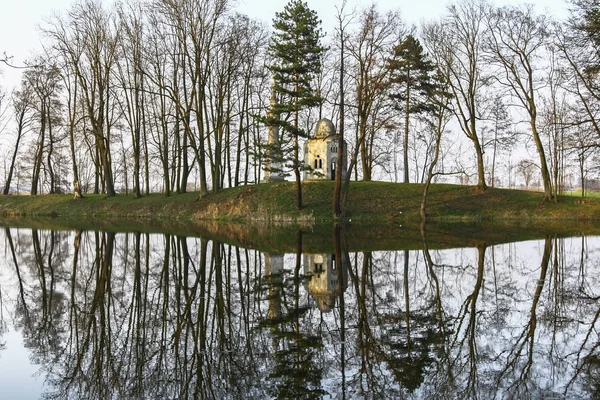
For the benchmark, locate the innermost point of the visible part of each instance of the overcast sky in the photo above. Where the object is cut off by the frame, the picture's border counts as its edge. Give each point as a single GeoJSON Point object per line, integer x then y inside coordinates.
{"type": "Point", "coordinates": [20, 38]}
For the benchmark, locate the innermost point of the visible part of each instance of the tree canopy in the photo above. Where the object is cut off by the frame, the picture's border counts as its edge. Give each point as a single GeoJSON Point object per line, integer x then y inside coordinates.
{"type": "Point", "coordinates": [413, 85]}
{"type": "Point", "coordinates": [296, 53]}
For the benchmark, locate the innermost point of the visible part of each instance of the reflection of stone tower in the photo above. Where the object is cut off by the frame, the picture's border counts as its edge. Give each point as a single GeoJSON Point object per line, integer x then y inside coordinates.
{"type": "Point", "coordinates": [274, 274]}
{"type": "Point", "coordinates": [273, 164]}
{"type": "Point", "coordinates": [325, 283]}
{"type": "Point", "coordinates": [321, 153]}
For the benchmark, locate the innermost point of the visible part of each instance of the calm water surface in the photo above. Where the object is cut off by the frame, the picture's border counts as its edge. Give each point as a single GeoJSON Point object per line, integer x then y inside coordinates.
{"type": "Point", "coordinates": [100, 315]}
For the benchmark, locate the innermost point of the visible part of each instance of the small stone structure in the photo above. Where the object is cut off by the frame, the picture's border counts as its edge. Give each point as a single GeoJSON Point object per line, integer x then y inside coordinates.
{"type": "Point", "coordinates": [273, 167]}
{"type": "Point", "coordinates": [321, 153]}
{"type": "Point", "coordinates": [274, 271]}
{"type": "Point", "coordinates": [325, 285]}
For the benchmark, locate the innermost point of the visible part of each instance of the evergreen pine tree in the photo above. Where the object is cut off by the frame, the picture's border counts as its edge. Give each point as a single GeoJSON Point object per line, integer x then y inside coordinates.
{"type": "Point", "coordinates": [296, 51]}
{"type": "Point", "coordinates": [413, 83]}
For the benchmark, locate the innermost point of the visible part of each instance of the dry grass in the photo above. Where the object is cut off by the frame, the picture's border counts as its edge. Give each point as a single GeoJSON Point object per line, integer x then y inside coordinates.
{"type": "Point", "coordinates": [368, 202]}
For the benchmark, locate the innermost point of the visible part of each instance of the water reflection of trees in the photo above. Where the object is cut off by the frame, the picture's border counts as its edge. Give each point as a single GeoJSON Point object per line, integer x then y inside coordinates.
{"type": "Point", "coordinates": [160, 316]}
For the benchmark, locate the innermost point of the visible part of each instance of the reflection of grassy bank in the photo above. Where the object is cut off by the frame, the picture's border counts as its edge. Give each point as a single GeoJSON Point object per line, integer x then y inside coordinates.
{"type": "Point", "coordinates": [370, 237]}
{"type": "Point", "coordinates": [368, 202]}
{"type": "Point", "coordinates": [319, 238]}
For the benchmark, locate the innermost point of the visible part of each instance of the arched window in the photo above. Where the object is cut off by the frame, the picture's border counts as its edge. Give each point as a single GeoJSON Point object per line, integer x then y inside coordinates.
{"type": "Point", "coordinates": [333, 162]}
{"type": "Point", "coordinates": [316, 163]}
{"type": "Point", "coordinates": [320, 163]}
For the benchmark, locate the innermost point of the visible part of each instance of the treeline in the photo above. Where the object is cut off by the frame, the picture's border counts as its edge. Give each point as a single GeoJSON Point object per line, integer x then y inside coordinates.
{"type": "Point", "coordinates": [172, 95]}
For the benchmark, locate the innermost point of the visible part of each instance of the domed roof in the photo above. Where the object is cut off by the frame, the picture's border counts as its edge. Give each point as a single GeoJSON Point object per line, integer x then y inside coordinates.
{"type": "Point", "coordinates": [324, 128]}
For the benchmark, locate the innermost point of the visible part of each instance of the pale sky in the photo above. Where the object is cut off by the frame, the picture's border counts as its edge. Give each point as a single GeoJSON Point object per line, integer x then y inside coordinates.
{"type": "Point", "coordinates": [19, 19]}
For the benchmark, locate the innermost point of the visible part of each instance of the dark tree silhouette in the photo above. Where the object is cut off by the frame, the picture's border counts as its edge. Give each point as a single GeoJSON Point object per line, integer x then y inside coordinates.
{"type": "Point", "coordinates": [412, 79]}
{"type": "Point", "coordinates": [296, 52]}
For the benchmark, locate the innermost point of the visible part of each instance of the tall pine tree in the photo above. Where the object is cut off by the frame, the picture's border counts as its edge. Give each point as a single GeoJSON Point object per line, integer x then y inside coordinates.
{"type": "Point", "coordinates": [412, 84]}
{"type": "Point", "coordinates": [296, 51]}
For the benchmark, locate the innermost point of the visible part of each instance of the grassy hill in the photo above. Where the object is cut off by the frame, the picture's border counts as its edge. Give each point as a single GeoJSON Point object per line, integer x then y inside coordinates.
{"type": "Point", "coordinates": [381, 215]}
{"type": "Point", "coordinates": [377, 202]}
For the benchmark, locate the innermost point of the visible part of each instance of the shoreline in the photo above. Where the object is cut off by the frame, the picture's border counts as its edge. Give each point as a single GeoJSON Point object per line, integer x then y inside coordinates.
{"type": "Point", "coordinates": [262, 216]}
{"type": "Point", "coordinates": [273, 203]}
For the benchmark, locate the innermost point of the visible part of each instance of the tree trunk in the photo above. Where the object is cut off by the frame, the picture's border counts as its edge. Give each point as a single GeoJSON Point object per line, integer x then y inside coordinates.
{"type": "Point", "coordinates": [337, 204]}
{"type": "Point", "coordinates": [546, 179]}
{"type": "Point", "coordinates": [582, 174]}
{"type": "Point", "coordinates": [20, 128]}
{"type": "Point", "coordinates": [136, 163]}
{"type": "Point", "coordinates": [406, 120]}
{"type": "Point", "coordinates": [165, 159]}
{"type": "Point", "coordinates": [200, 154]}
{"type": "Point", "coordinates": [146, 158]}
{"type": "Point", "coordinates": [76, 187]}
{"type": "Point", "coordinates": [97, 171]}
{"type": "Point", "coordinates": [185, 166]}
{"type": "Point", "coordinates": [106, 169]}
{"type": "Point", "coordinates": [49, 156]}
{"type": "Point", "coordinates": [37, 165]}
{"type": "Point", "coordinates": [364, 150]}
{"type": "Point", "coordinates": [297, 174]}
{"type": "Point", "coordinates": [296, 161]}
{"type": "Point", "coordinates": [495, 147]}
{"type": "Point", "coordinates": [430, 176]}
{"type": "Point", "coordinates": [480, 163]}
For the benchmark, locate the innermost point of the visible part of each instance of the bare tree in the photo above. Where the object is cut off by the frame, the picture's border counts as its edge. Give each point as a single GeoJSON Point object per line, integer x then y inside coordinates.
{"type": "Point", "coordinates": [343, 20]}
{"type": "Point", "coordinates": [456, 44]}
{"type": "Point", "coordinates": [21, 103]}
{"type": "Point", "coordinates": [527, 169]}
{"type": "Point", "coordinates": [43, 84]}
{"type": "Point", "coordinates": [71, 99]}
{"type": "Point", "coordinates": [369, 48]}
{"type": "Point", "coordinates": [252, 48]}
{"type": "Point", "coordinates": [502, 137]}
{"type": "Point", "coordinates": [4, 106]}
{"type": "Point", "coordinates": [555, 115]}
{"type": "Point", "coordinates": [582, 142]}
{"type": "Point", "coordinates": [85, 39]}
{"type": "Point", "coordinates": [227, 66]}
{"type": "Point", "coordinates": [169, 107]}
{"type": "Point", "coordinates": [438, 118]}
{"type": "Point", "coordinates": [131, 78]}
{"type": "Point", "coordinates": [192, 25]}
{"type": "Point", "coordinates": [517, 41]}
{"type": "Point", "coordinates": [577, 45]}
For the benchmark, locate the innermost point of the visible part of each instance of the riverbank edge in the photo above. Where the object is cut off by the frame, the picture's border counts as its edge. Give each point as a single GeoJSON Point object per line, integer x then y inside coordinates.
{"type": "Point", "coordinates": [274, 203]}
{"type": "Point", "coordinates": [382, 216]}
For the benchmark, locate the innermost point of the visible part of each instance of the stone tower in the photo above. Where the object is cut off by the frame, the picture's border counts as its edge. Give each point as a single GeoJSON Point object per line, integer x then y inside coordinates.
{"type": "Point", "coordinates": [321, 153]}
{"type": "Point", "coordinates": [325, 272]}
{"type": "Point", "coordinates": [273, 166]}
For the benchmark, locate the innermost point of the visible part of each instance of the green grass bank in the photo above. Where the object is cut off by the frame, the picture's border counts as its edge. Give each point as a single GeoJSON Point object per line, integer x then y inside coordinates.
{"type": "Point", "coordinates": [382, 216]}
{"type": "Point", "coordinates": [369, 202]}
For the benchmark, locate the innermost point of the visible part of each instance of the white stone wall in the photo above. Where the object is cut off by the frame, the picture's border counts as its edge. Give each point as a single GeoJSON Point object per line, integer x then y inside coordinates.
{"type": "Point", "coordinates": [317, 159]}
{"type": "Point", "coordinates": [324, 152]}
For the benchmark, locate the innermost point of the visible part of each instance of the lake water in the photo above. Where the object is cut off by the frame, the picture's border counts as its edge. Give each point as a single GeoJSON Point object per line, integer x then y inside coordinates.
{"type": "Point", "coordinates": [101, 315]}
